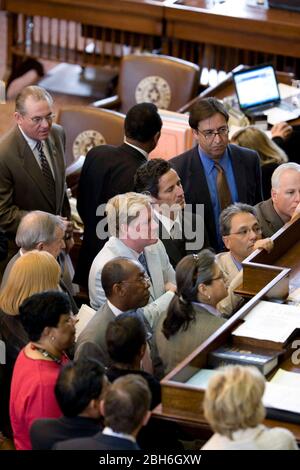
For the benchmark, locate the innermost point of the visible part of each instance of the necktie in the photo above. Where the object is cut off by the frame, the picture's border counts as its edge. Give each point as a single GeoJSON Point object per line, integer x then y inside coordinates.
{"type": "Point", "coordinates": [46, 170]}
{"type": "Point", "coordinates": [222, 187]}
{"type": "Point", "coordinates": [143, 261]}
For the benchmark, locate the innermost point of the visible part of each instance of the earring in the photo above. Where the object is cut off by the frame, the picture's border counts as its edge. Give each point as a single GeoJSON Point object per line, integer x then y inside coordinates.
{"type": "Point", "coordinates": [52, 338]}
{"type": "Point", "coordinates": [209, 297]}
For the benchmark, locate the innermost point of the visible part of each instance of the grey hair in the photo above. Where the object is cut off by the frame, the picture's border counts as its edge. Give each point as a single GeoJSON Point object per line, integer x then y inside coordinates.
{"type": "Point", "coordinates": [227, 214]}
{"type": "Point", "coordinates": [36, 227]}
{"type": "Point", "coordinates": [280, 170]}
{"type": "Point", "coordinates": [36, 92]}
{"type": "Point", "coordinates": [124, 208]}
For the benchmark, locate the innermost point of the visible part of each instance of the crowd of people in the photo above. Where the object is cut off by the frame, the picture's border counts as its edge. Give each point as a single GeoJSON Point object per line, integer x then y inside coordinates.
{"type": "Point", "coordinates": [160, 260]}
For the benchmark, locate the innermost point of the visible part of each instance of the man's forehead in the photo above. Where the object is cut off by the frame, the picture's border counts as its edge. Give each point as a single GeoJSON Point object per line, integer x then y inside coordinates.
{"type": "Point", "coordinates": [243, 218]}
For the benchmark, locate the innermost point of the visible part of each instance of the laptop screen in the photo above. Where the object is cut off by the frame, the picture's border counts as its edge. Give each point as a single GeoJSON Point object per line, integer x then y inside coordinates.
{"type": "Point", "coordinates": [256, 86]}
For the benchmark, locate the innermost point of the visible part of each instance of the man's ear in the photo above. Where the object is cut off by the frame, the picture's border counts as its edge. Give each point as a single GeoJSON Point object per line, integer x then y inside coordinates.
{"type": "Point", "coordinates": [273, 194]}
{"type": "Point", "coordinates": [118, 289]}
{"type": "Point", "coordinates": [146, 418]}
{"type": "Point", "coordinates": [101, 406]}
{"type": "Point", "coordinates": [195, 133]}
{"type": "Point", "coordinates": [39, 246]}
{"type": "Point", "coordinates": [156, 137]}
{"type": "Point", "coordinates": [226, 241]}
{"type": "Point", "coordinates": [18, 117]}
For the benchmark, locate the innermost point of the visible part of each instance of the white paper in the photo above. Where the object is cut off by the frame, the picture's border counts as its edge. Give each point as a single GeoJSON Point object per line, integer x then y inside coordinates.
{"type": "Point", "coordinates": [201, 378]}
{"type": "Point", "coordinates": [286, 91]}
{"type": "Point", "coordinates": [270, 321]}
{"type": "Point", "coordinates": [282, 397]}
{"type": "Point", "coordinates": [277, 114]}
{"type": "Point", "coordinates": [287, 379]}
{"type": "Point", "coordinates": [84, 315]}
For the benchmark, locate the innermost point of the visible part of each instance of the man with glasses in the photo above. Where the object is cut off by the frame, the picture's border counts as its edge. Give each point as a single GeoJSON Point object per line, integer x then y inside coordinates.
{"type": "Point", "coordinates": [216, 173]}
{"type": "Point", "coordinates": [242, 235]}
{"type": "Point", "coordinates": [32, 167]}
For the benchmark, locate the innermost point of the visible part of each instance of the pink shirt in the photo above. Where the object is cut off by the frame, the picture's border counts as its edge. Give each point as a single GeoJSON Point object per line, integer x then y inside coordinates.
{"type": "Point", "coordinates": [32, 395]}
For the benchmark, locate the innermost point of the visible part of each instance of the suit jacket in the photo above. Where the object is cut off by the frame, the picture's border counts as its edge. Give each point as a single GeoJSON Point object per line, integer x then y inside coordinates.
{"type": "Point", "coordinates": [106, 172]}
{"type": "Point", "coordinates": [62, 285]}
{"type": "Point", "coordinates": [179, 346]}
{"type": "Point", "coordinates": [160, 270]}
{"type": "Point", "coordinates": [178, 248]}
{"type": "Point", "coordinates": [247, 174]}
{"type": "Point", "coordinates": [98, 442]}
{"type": "Point", "coordinates": [268, 218]}
{"type": "Point", "coordinates": [22, 187]}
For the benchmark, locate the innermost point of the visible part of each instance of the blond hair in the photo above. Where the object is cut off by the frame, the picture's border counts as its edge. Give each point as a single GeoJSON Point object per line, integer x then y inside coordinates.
{"type": "Point", "coordinates": [124, 208]}
{"type": "Point", "coordinates": [34, 272]}
{"type": "Point", "coordinates": [255, 139]}
{"type": "Point", "coordinates": [233, 399]}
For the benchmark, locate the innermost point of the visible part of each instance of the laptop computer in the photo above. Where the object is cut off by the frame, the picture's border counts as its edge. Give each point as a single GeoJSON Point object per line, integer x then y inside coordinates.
{"type": "Point", "coordinates": [257, 91]}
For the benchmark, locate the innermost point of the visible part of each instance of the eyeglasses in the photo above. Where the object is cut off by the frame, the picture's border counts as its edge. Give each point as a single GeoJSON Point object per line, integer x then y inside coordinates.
{"type": "Point", "coordinates": [210, 135]}
{"type": "Point", "coordinates": [247, 231]}
{"type": "Point", "coordinates": [37, 120]}
{"type": "Point", "coordinates": [145, 280]}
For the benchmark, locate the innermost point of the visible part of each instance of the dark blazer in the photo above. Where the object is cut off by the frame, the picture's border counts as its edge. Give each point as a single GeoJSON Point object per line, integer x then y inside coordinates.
{"type": "Point", "coordinates": [106, 172]}
{"type": "Point", "coordinates": [98, 442]}
{"type": "Point", "coordinates": [247, 173]}
{"type": "Point", "coordinates": [268, 218]}
{"type": "Point", "coordinates": [22, 187]}
{"type": "Point", "coordinates": [44, 433]}
{"type": "Point", "coordinates": [178, 248]}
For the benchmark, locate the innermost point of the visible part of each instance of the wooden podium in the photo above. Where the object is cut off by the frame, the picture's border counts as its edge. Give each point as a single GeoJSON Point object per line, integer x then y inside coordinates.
{"type": "Point", "coordinates": [266, 276]}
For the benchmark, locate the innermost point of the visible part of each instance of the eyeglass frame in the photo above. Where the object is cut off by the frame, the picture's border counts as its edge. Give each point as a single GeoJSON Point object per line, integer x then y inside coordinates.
{"type": "Point", "coordinates": [145, 279]}
{"type": "Point", "coordinates": [243, 233]}
{"type": "Point", "coordinates": [210, 135]}
{"type": "Point", "coordinates": [37, 120]}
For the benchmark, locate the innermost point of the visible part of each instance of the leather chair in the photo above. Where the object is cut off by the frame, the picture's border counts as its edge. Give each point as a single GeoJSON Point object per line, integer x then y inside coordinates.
{"type": "Point", "coordinates": [165, 81]}
{"type": "Point", "coordinates": [87, 127]}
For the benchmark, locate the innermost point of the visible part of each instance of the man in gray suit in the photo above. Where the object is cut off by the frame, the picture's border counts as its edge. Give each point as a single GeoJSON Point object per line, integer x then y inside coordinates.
{"type": "Point", "coordinates": [134, 235]}
{"type": "Point", "coordinates": [126, 288]}
{"type": "Point", "coordinates": [284, 203]}
{"type": "Point", "coordinates": [32, 167]}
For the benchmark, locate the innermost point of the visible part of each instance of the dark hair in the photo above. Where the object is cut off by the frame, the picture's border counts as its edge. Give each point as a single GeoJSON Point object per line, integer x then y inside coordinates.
{"type": "Point", "coordinates": [142, 122]}
{"type": "Point", "coordinates": [191, 271]}
{"type": "Point", "coordinates": [78, 383]}
{"type": "Point", "coordinates": [113, 272]}
{"type": "Point", "coordinates": [147, 176]}
{"type": "Point", "coordinates": [124, 337]}
{"type": "Point", "coordinates": [41, 310]}
{"type": "Point", "coordinates": [126, 403]}
{"type": "Point", "coordinates": [204, 109]}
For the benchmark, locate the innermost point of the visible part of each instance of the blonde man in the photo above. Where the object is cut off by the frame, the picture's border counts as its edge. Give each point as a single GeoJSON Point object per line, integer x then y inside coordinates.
{"type": "Point", "coordinates": [234, 409]}
{"type": "Point", "coordinates": [134, 235]}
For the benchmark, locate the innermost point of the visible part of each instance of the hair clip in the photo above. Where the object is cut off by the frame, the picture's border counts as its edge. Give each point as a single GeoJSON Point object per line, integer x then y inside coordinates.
{"type": "Point", "coordinates": [195, 256]}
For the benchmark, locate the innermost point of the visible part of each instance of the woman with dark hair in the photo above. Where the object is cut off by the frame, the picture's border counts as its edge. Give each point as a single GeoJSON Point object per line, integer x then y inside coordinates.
{"type": "Point", "coordinates": [192, 315]}
{"type": "Point", "coordinates": [50, 326]}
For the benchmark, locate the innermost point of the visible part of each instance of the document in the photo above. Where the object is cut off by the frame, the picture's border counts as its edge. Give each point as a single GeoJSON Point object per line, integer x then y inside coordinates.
{"type": "Point", "coordinates": [84, 315]}
{"type": "Point", "coordinates": [282, 397]}
{"type": "Point", "coordinates": [270, 321]}
{"type": "Point", "coordinates": [287, 379]}
{"type": "Point", "coordinates": [201, 378]}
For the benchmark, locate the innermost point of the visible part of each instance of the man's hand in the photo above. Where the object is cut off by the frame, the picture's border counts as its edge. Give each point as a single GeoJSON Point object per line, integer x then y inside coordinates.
{"type": "Point", "coordinates": [296, 213]}
{"type": "Point", "coordinates": [69, 240]}
{"type": "Point", "coordinates": [282, 129]}
{"type": "Point", "coordinates": [170, 286]}
{"type": "Point", "coordinates": [264, 244]}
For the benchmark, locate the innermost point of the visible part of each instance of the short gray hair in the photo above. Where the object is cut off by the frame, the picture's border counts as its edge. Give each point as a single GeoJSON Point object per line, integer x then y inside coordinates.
{"type": "Point", "coordinates": [229, 212]}
{"type": "Point", "coordinates": [124, 208]}
{"type": "Point", "coordinates": [36, 92]}
{"type": "Point", "coordinates": [280, 170]}
{"type": "Point", "coordinates": [36, 227]}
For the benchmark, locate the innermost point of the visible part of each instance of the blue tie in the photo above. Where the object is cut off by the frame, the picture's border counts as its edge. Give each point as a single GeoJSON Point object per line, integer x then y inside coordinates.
{"type": "Point", "coordinates": [143, 261]}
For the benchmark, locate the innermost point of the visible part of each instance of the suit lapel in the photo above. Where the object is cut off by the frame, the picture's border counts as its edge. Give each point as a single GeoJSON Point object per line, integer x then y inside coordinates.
{"type": "Point", "coordinates": [57, 174]}
{"type": "Point", "coordinates": [173, 247]}
{"type": "Point", "coordinates": [239, 172]}
{"type": "Point", "coordinates": [31, 166]}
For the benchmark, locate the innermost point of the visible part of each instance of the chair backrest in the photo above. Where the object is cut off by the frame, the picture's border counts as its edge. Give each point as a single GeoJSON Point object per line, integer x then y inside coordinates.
{"type": "Point", "coordinates": [165, 81]}
{"type": "Point", "coordinates": [86, 127]}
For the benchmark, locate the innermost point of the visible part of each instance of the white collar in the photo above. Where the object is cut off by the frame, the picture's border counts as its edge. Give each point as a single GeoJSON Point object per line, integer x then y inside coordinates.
{"type": "Point", "coordinates": [166, 221]}
{"type": "Point", "coordinates": [115, 310]}
{"type": "Point", "coordinates": [109, 432]}
{"type": "Point", "coordinates": [143, 152]}
{"type": "Point", "coordinates": [31, 142]}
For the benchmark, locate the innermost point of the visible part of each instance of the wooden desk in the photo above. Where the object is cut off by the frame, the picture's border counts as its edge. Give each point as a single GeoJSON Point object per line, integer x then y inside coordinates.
{"type": "Point", "coordinates": [182, 403]}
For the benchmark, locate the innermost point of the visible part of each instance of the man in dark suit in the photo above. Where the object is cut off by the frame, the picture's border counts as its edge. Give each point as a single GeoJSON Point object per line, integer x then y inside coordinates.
{"type": "Point", "coordinates": [181, 231]}
{"type": "Point", "coordinates": [108, 171]}
{"type": "Point", "coordinates": [201, 168]}
{"type": "Point", "coordinates": [125, 409]}
{"type": "Point", "coordinates": [32, 167]}
{"type": "Point", "coordinates": [79, 387]}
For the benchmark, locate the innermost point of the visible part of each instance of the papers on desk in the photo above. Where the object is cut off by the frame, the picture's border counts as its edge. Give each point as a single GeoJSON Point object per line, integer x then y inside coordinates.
{"type": "Point", "coordinates": [201, 378]}
{"type": "Point", "coordinates": [283, 391]}
{"type": "Point", "coordinates": [270, 321]}
{"type": "Point", "coordinates": [286, 91]}
{"type": "Point", "coordinates": [277, 114]}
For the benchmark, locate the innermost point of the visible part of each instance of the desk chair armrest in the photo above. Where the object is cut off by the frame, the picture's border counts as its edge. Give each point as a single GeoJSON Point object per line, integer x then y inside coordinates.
{"type": "Point", "coordinates": [112, 102]}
